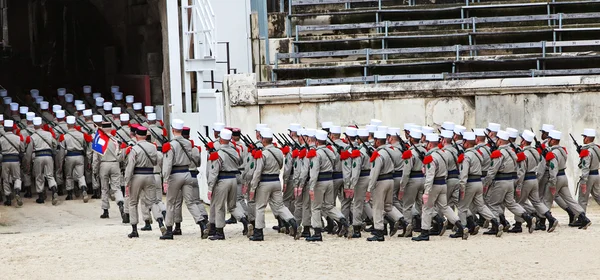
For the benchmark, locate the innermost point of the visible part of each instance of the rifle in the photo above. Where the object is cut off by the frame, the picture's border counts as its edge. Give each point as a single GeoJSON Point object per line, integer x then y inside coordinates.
{"type": "Point", "coordinates": [282, 143]}
{"type": "Point", "coordinates": [370, 150]}
{"type": "Point", "coordinates": [576, 144]}
{"type": "Point", "coordinates": [205, 143]}
{"type": "Point", "coordinates": [538, 145]}
{"type": "Point", "coordinates": [115, 125]}
{"type": "Point", "coordinates": [349, 142]}
{"type": "Point", "coordinates": [512, 145]}
{"type": "Point", "coordinates": [337, 147]}
{"type": "Point", "coordinates": [305, 143]}
{"type": "Point", "coordinates": [493, 145]}
{"type": "Point", "coordinates": [80, 122]}
{"type": "Point", "coordinates": [296, 145]}
{"type": "Point", "coordinates": [421, 153]}
{"type": "Point", "coordinates": [402, 143]}
{"type": "Point", "coordinates": [459, 151]}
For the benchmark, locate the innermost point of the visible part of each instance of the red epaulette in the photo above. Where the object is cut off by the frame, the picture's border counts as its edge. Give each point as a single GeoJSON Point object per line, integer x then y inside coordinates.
{"type": "Point", "coordinates": [330, 148]}
{"type": "Point", "coordinates": [211, 145]}
{"type": "Point", "coordinates": [355, 154]}
{"type": "Point", "coordinates": [584, 153]}
{"type": "Point", "coordinates": [113, 132]}
{"type": "Point", "coordinates": [77, 127]}
{"type": "Point", "coordinates": [285, 150]}
{"type": "Point", "coordinates": [213, 156]}
{"type": "Point", "coordinates": [440, 146]}
{"type": "Point", "coordinates": [312, 153]}
{"type": "Point", "coordinates": [521, 157]}
{"type": "Point", "coordinates": [61, 138]}
{"type": "Point", "coordinates": [88, 138]}
{"type": "Point", "coordinates": [295, 153]}
{"type": "Point", "coordinates": [302, 153]}
{"type": "Point", "coordinates": [461, 158]}
{"type": "Point", "coordinates": [344, 155]}
{"type": "Point", "coordinates": [345, 141]}
{"type": "Point", "coordinates": [539, 151]}
{"type": "Point", "coordinates": [496, 154]}
{"type": "Point", "coordinates": [374, 156]}
{"type": "Point", "coordinates": [123, 145]}
{"type": "Point", "coordinates": [407, 154]}
{"type": "Point", "coordinates": [166, 147]}
{"type": "Point", "coordinates": [21, 137]}
{"type": "Point", "coordinates": [550, 156]}
{"type": "Point", "coordinates": [128, 150]}
{"type": "Point", "coordinates": [565, 150]}
{"type": "Point", "coordinates": [164, 131]}
{"type": "Point", "coordinates": [428, 159]}
{"type": "Point", "coordinates": [28, 139]}
{"type": "Point", "coordinates": [257, 154]}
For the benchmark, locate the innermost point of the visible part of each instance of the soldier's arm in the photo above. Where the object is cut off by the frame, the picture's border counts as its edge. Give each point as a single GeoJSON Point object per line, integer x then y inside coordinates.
{"type": "Point", "coordinates": [586, 161]}
{"type": "Point", "coordinates": [430, 165]}
{"type": "Point", "coordinates": [129, 167]}
{"type": "Point", "coordinates": [408, 165]}
{"type": "Point", "coordinates": [167, 163]}
{"type": "Point", "coordinates": [495, 162]}
{"type": "Point", "coordinates": [304, 172]}
{"type": "Point", "coordinates": [213, 170]}
{"type": "Point", "coordinates": [296, 176]}
{"type": "Point", "coordinates": [374, 175]}
{"type": "Point", "coordinates": [356, 168]}
{"type": "Point", "coordinates": [347, 171]}
{"type": "Point", "coordinates": [258, 168]}
{"type": "Point", "coordinates": [521, 170]}
{"type": "Point", "coordinates": [313, 169]}
{"type": "Point", "coordinates": [552, 168]}
{"type": "Point", "coordinates": [464, 167]}
{"type": "Point", "coordinates": [287, 168]}
{"type": "Point", "coordinates": [95, 163]}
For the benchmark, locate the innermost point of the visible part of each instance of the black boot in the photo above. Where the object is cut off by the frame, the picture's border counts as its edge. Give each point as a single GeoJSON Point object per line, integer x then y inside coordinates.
{"type": "Point", "coordinates": [343, 228]}
{"type": "Point", "coordinates": [517, 228]}
{"type": "Point", "coordinates": [305, 232]}
{"type": "Point", "coordinates": [461, 231]}
{"type": "Point", "coordinates": [417, 224]}
{"type": "Point", "coordinates": [505, 224]}
{"type": "Point", "coordinates": [530, 220]}
{"type": "Point", "coordinates": [54, 196]}
{"type": "Point", "coordinates": [8, 201]}
{"type": "Point", "coordinates": [404, 226]}
{"type": "Point", "coordinates": [244, 222]}
{"type": "Point", "coordinates": [356, 233]}
{"type": "Point", "coordinates": [104, 214]}
{"type": "Point", "coordinates": [40, 199]}
{"type": "Point", "coordinates": [18, 199]}
{"type": "Point", "coordinates": [28, 193]}
{"type": "Point", "coordinates": [134, 232]}
{"type": "Point", "coordinates": [424, 236]}
{"type": "Point", "coordinates": [552, 222]}
{"type": "Point", "coordinates": [394, 225]}
{"type": "Point", "coordinates": [540, 224]}
{"type": "Point", "coordinates": [212, 229]}
{"type": "Point", "coordinates": [61, 190]}
{"type": "Point", "coordinates": [125, 218]}
{"type": "Point", "coordinates": [164, 214]}
{"type": "Point", "coordinates": [571, 218]}
{"type": "Point", "coordinates": [231, 220]}
{"type": "Point", "coordinates": [203, 229]}
{"type": "Point", "coordinates": [279, 224]}
{"type": "Point", "coordinates": [69, 195]}
{"type": "Point", "coordinates": [220, 235]}
{"type": "Point", "coordinates": [251, 227]}
{"type": "Point", "coordinates": [168, 235]}
{"type": "Point", "coordinates": [177, 230]}
{"type": "Point", "coordinates": [370, 229]}
{"type": "Point", "coordinates": [315, 237]}
{"type": "Point", "coordinates": [439, 227]}
{"type": "Point", "coordinates": [585, 222]}
{"type": "Point", "coordinates": [258, 235]}
{"type": "Point", "coordinates": [286, 227]}
{"type": "Point", "coordinates": [480, 221]}
{"type": "Point", "coordinates": [377, 236]}
{"type": "Point", "coordinates": [147, 226]}
{"type": "Point", "coordinates": [329, 227]}
{"type": "Point", "coordinates": [121, 207]}
{"type": "Point", "coordinates": [497, 228]}
{"type": "Point", "coordinates": [96, 194]}
{"type": "Point", "coordinates": [473, 227]}
{"type": "Point", "coordinates": [294, 229]}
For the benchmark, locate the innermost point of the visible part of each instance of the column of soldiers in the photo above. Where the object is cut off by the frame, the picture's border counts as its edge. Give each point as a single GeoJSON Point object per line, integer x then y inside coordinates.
{"type": "Point", "coordinates": [386, 179]}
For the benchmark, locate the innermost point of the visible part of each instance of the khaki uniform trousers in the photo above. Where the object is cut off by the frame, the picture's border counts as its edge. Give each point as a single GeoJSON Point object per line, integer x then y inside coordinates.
{"type": "Point", "coordinates": [288, 195]}
{"type": "Point", "coordinates": [564, 194]}
{"type": "Point", "coordinates": [502, 194]}
{"type": "Point", "coordinates": [530, 199]}
{"type": "Point", "coordinates": [413, 198]}
{"type": "Point", "coordinates": [383, 193]}
{"type": "Point", "coordinates": [73, 169]}
{"type": "Point", "coordinates": [359, 206]}
{"type": "Point", "coordinates": [593, 188]}
{"type": "Point", "coordinates": [110, 181]}
{"type": "Point", "coordinates": [270, 192]}
{"type": "Point", "coordinates": [11, 175]}
{"type": "Point", "coordinates": [473, 203]}
{"type": "Point", "coordinates": [323, 204]}
{"type": "Point", "coordinates": [181, 182]}
{"type": "Point", "coordinates": [43, 169]}
{"type": "Point", "coordinates": [142, 184]}
{"type": "Point", "coordinates": [224, 198]}
{"type": "Point", "coordinates": [437, 200]}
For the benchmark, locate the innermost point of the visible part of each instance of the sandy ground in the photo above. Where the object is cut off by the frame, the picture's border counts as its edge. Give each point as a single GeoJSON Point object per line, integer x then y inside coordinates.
{"type": "Point", "coordinates": [70, 241]}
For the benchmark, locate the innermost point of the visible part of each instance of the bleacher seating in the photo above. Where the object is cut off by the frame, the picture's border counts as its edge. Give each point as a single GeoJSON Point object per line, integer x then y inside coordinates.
{"type": "Point", "coordinates": [363, 41]}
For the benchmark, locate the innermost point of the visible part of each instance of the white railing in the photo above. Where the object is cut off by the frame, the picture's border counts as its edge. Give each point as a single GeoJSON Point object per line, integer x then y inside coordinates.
{"type": "Point", "coordinates": [199, 30]}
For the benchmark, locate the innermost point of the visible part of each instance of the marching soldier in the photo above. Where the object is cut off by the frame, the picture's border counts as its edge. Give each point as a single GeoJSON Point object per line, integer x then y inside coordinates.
{"type": "Point", "coordinates": [321, 187]}
{"type": "Point", "coordinates": [177, 178]}
{"type": "Point", "coordinates": [396, 152]}
{"type": "Point", "coordinates": [222, 184]}
{"type": "Point", "coordinates": [137, 108]}
{"type": "Point", "coordinates": [43, 144]}
{"type": "Point", "coordinates": [527, 185]}
{"type": "Point", "coordinates": [302, 206]}
{"type": "Point", "coordinates": [381, 184]}
{"type": "Point", "coordinates": [359, 180]}
{"type": "Point", "coordinates": [267, 188]}
{"type": "Point", "coordinates": [240, 201]}
{"type": "Point", "coordinates": [106, 168]}
{"type": "Point", "coordinates": [342, 172]}
{"type": "Point", "coordinates": [485, 151]}
{"type": "Point", "coordinates": [471, 188]}
{"type": "Point", "coordinates": [557, 181]}
{"type": "Point", "coordinates": [139, 179]}
{"type": "Point", "coordinates": [12, 148]}
{"type": "Point", "coordinates": [589, 182]}
{"type": "Point", "coordinates": [288, 173]}
{"type": "Point", "coordinates": [434, 195]}
{"type": "Point", "coordinates": [26, 163]}
{"type": "Point", "coordinates": [500, 178]}
{"type": "Point", "coordinates": [452, 154]}
{"type": "Point", "coordinates": [248, 176]}
{"type": "Point", "coordinates": [413, 180]}
{"type": "Point", "coordinates": [74, 144]}
{"type": "Point", "coordinates": [196, 150]}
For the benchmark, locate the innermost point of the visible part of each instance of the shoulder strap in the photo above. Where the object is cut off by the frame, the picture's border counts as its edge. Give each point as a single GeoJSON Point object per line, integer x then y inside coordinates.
{"type": "Point", "coordinates": [232, 157]}
{"type": "Point", "coordinates": [478, 156]}
{"type": "Point", "coordinates": [280, 164]}
{"type": "Point", "coordinates": [147, 155]}
{"type": "Point", "coordinates": [82, 142]}
{"type": "Point", "coordinates": [185, 151]}
{"type": "Point", "coordinates": [49, 145]}
{"type": "Point", "coordinates": [11, 143]}
{"type": "Point", "coordinates": [443, 159]}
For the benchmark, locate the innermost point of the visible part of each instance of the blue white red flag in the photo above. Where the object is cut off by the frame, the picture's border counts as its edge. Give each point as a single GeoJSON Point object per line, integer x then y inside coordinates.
{"type": "Point", "coordinates": [100, 142]}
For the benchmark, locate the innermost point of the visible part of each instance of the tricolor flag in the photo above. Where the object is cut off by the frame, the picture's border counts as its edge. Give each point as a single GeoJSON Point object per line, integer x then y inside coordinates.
{"type": "Point", "coordinates": [100, 142]}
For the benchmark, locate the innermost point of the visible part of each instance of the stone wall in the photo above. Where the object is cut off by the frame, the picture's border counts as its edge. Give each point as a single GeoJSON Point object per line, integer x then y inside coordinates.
{"type": "Point", "coordinates": [567, 102]}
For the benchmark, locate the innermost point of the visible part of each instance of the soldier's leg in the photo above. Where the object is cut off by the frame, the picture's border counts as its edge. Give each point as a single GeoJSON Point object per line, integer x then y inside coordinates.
{"type": "Point", "coordinates": [159, 194]}
{"type": "Point", "coordinates": [146, 204]}
{"type": "Point", "coordinates": [134, 194]}
{"type": "Point", "coordinates": [26, 164]}
{"type": "Point", "coordinates": [510, 203]}
{"type": "Point", "coordinates": [277, 205]}
{"type": "Point", "coordinates": [150, 185]}
{"type": "Point", "coordinates": [49, 172]}
{"type": "Point", "coordinates": [561, 202]}
{"type": "Point", "coordinates": [562, 190]}
{"type": "Point", "coordinates": [442, 204]}
{"type": "Point", "coordinates": [533, 196]}
{"type": "Point", "coordinates": [58, 171]}
{"type": "Point", "coordinates": [38, 172]}
{"type": "Point", "coordinates": [466, 202]}
{"type": "Point", "coordinates": [115, 184]}
{"type": "Point", "coordinates": [317, 205]}
{"type": "Point", "coordinates": [452, 193]}
{"type": "Point", "coordinates": [429, 206]}
{"type": "Point", "coordinates": [495, 198]}
{"type": "Point", "coordinates": [69, 165]}
{"type": "Point", "coordinates": [298, 208]}
{"type": "Point", "coordinates": [191, 202]}
{"type": "Point", "coordinates": [288, 195]}
{"type": "Point", "coordinates": [232, 204]}
{"type": "Point", "coordinates": [240, 201]}
{"type": "Point", "coordinates": [218, 202]}
{"type": "Point", "coordinates": [79, 176]}
{"type": "Point", "coordinates": [178, 213]}
{"type": "Point", "coordinates": [261, 198]}
{"type": "Point", "coordinates": [16, 178]}
{"type": "Point", "coordinates": [397, 203]}
{"type": "Point", "coordinates": [388, 200]}
{"type": "Point", "coordinates": [358, 202]}
{"type": "Point", "coordinates": [346, 205]}
{"type": "Point", "coordinates": [594, 185]}
{"type": "Point", "coordinates": [175, 183]}
{"type": "Point", "coordinates": [6, 179]}
{"type": "Point", "coordinates": [583, 197]}
{"type": "Point", "coordinates": [306, 208]}
{"type": "Point", "coordinates": [408, 199]}
{"type": "Point", "coordinates": [196, 198]}
{"type": "Point", "coordinates": [328, 203]}
{"type": "Point", "coordinates": [479, 203]}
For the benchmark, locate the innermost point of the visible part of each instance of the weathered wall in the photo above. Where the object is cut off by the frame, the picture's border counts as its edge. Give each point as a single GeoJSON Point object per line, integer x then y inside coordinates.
{"type": "Point", "coordinates": [566, 102]}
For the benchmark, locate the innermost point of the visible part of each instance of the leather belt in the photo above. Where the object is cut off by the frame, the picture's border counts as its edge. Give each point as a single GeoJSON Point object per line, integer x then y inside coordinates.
{"type": "Point", "coordinates": [10, 158]}
{"type": "Point", "coordinates": [398, 174]}
{"type": "Point", "coordinates": [439, 181]}
{"type": "Point", "coordinates": [325, 176]}
{"type": "Point", "coordinates": [74, 153]}
{"type": "Point", "coordinates": [43, 153]}
{"type": "Point", "coordinates": [483, 173]}
{"type": "Point", "coordinates": [593, 172]}
{"type": "Point", "coordinates": [561, 172]}
{"type": "Point", "coordinates": [416, 174]}
{"type": "Point", "coordinates": [388, 176]}
{"type": "Point", "coordinates": [453, 174]}
{"type": "Point", "coordinates": [180, 169]}
{"type": "Point", "coordinates": [338, 175]}
{"type": "Point", "coordinates": [143, 171]}
{"type": "Point", "coordinates": [364, 173]}
{"type": "Point", "coordinates": [227, 175]}
{"type": "Point", "coordinates": [504, 176]}
{"type": "Point", "coordinates": [473, 178]}
{"type": "Point", "coordinates": [269, 177]}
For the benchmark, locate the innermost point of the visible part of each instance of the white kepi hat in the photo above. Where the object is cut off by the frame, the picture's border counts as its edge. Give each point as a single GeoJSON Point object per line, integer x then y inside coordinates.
{"type": "Point", "coordinates": [469, 136]}
{"type": "Point", "coordinates": [177, 124]}
{"type": "Point", "coordinates": [589, 132]}
{"type": "Point", "coordinates": [321, 135]}
{"type": "Point", "coordinates": [555, 134]}
{"type": "Point", "coordinates": [527, 135]}
{"type": "Point", "coordinates": [495, 127]}
{"type": "Point", "coordinates": [432, 137]}
{"type": "Point", "coordinates": [225, 134]}
{"type": "Point", "coordinates": [70, 120]}
{"type": "Point", "coordinates": [512, 132]}
{"type": "Point", "coordinates": [502, 134]}
{"type": "Point", "coordinates": [37, 121]}
{"type": "Point", "coordinates": [547, 127]}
